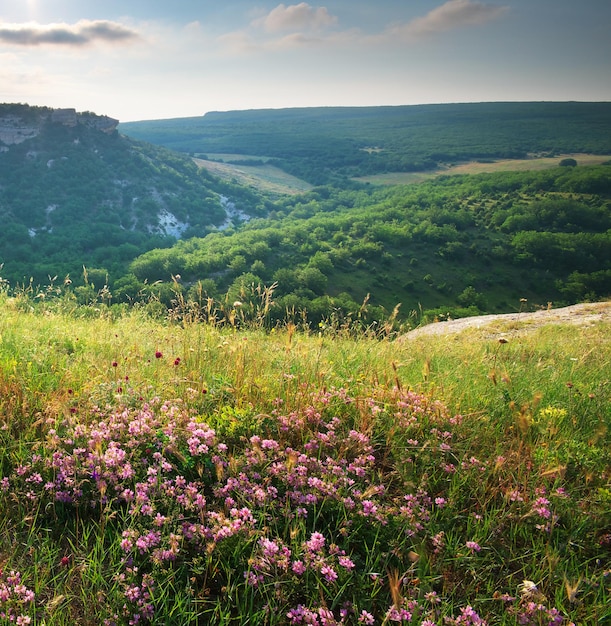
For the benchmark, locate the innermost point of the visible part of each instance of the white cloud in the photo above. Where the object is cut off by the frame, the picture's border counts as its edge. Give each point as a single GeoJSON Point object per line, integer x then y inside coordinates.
{"type": "Point", "coordinates": [284, 27]}
{"type": "Point", "coordinates": [79, 34]}
{"type": "Point", "coordinates": [296, 18]}
{"type": "Point", "coordinates": [302, 25]}
{"type": "Point", "coordinates": [451, 15]}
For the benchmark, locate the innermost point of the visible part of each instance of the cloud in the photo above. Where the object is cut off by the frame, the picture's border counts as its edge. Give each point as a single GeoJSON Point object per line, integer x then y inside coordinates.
{"type": "Point", "coordinates": [82, 33]}
{"type": "Point", "coordinates": [296, 18]}
{"type": "Point", "coordinates": [449, 16]}
{"type": "Point", "coordinates": [302, 25]}
{"type": "Point", "coordinates": [284, 27]}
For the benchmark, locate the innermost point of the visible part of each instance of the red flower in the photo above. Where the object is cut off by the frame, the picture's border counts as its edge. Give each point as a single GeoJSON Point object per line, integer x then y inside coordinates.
{"type": "Point", "coordinates": [158, 354]}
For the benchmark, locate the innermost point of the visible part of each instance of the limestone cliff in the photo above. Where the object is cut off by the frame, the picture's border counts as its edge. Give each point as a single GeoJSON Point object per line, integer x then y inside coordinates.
{"type": "Point", "coordinates": [20, 122]}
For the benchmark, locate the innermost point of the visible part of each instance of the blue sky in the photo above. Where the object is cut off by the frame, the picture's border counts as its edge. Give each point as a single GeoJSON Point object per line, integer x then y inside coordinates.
{"type": "Point", "coordinates": [149, 59]}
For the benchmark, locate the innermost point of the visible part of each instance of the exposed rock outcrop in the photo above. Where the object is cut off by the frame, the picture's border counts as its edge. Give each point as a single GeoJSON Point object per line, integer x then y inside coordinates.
{"type": "Point", "coordinates": [18, 123]}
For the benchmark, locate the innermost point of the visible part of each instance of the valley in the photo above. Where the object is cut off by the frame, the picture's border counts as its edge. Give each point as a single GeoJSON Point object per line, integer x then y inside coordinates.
{"type": "Point", "coordinates": [311, 377]}
{"type": "Point", "coordinates": [273, 180]}
{"type": "Point", "coordinates": [371, 213]}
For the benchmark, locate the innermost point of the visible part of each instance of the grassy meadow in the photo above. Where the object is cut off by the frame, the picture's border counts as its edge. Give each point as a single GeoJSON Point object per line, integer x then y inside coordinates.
{"type": "Point", "coordinates": [273, 180]}
{"type": "Point", "coordinates": [534, 163]}
{"type": "Point", "coordinates": [170, 471]}
{"type": "Point", "coordinates": [261, 176]}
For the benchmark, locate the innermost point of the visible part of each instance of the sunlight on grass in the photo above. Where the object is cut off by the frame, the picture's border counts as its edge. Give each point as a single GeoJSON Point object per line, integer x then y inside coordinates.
{"type": "Point", "coordinates": [476, 167]}
{"type": "Point", "coordinates": [160, 472]}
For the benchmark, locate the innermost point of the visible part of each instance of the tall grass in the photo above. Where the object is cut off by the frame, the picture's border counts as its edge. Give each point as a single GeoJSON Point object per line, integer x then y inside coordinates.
{"type": "Point", "coordinates": [188, 471]}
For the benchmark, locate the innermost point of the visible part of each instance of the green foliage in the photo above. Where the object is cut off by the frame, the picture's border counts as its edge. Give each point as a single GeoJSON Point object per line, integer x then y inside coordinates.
{"type": "Point", "coordinates": [568, 163]}
{"type": "Point", "coordinates": [74, 196]}
{"type": "Point", "coordinates": [478, 243]}
{"type": "Point", "coordinates": [162, 473]}
{"type": "Point", "coordinates": [333, 144]}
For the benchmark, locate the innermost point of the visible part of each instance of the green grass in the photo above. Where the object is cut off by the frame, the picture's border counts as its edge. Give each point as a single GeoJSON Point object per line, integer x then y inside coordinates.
{"type": "Point", "coordinates": [350, 478]}
{"type": "Point", "coordinates": [266, 178]}
{"type": "Point", "coordinates": [475, 167]}
{"type": "Point", "coordinates": [273, 180]}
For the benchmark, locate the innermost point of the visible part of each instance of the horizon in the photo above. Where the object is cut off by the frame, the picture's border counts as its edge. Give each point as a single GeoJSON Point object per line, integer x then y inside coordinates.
{"type": "Point", "coordinates": [282, 108]}
{"type": "Point", "coordinates": [137, 60]}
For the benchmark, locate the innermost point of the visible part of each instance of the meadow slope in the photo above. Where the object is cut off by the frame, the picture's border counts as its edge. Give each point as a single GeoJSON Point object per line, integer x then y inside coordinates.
{"type": "Point", "coordinates": [164, 471]}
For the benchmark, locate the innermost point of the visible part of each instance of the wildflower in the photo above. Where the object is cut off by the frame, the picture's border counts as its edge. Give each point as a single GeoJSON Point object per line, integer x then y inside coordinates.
{"type": "Point", "coordinates": [329, 573]}
{"type": "Point", "coordinates": [366, 618]}
{"type": "Point", "coordinates": [346, 562]}
{"type": "Point", "coordinates": [316, 542]}
{"type": "Point", "coordinates": [158, 354]}
{"type": "Point", "coordinates": [432, 597]}
{"type": "Point", "coordinates": [540, 507]}
{"type": "Point", "coordinates": [438, 541]}
{"type": "Point", "coordinates": [270, 548]}
{"type": "Point", "coordinates": [369, 508]}
{"type": "Point", "coordinates": [528, 589]}
{"type": "Point", "coordinates": [398, 615]}
{"type": "Point", "coordinates": [473, 546]}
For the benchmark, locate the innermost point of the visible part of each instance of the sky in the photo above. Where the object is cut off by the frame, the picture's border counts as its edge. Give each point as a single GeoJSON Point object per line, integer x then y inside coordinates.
{"type": "Point", "coordinates": [158, 59]}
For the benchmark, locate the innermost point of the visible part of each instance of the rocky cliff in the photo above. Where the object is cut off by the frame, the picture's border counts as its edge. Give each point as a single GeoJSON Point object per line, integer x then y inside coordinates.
{"type": "Point", "coordinates": [20, 122]}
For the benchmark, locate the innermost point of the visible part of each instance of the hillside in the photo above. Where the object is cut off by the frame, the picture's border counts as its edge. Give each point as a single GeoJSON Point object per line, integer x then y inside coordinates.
{"type": "Point", "coordinates": [151, 226]}
{"type": "Point", "coordinates": [335, 144]}
{"type": "Point", "coordinates": [457, 246]}
{"type": "Point", "coordinates": [74, 192]}
{"type": "Point", "coordinates": [154, 472]}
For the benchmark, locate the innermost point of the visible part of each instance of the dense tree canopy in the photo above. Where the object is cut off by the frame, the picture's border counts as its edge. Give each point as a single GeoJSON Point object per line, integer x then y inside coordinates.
{"type": "Point", "coordinates": [431, 245]}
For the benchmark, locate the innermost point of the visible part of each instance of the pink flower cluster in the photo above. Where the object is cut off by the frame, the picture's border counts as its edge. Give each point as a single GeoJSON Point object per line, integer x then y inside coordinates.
{"type": "Point", "coordinates": [296, 508]}
{"type": "Point", "coordinates": [15, 598]}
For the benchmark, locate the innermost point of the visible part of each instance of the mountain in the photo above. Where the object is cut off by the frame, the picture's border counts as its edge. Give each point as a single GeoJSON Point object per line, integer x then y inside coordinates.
{"type": "Point", "coordinates": [74, 192]}
{"type": "Point", "coordinates": [336, 144]}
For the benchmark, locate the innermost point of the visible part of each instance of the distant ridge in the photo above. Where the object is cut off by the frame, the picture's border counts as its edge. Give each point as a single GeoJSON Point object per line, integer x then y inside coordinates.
{"type": "Point", "coordinates": [327, 144]}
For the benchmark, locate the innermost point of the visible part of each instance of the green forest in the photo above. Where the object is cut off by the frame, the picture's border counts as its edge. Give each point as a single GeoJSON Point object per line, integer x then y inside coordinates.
{"type": "Point", "coordinates": [335, 144]}
{"type": "Point", "coordinates": [74, 197]}
{"type": "Point", "coordinates": [111, 218]}
{"type": "Point", "coordinates": [457, 245]}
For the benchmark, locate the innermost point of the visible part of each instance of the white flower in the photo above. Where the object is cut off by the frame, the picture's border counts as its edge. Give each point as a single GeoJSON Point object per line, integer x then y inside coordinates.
{"type": "Point", "coordinates": [528, 589]}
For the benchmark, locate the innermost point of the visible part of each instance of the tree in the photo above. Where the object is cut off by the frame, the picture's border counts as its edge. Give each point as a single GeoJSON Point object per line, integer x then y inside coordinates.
{"type": "Point", "coordinates": [568, 163]}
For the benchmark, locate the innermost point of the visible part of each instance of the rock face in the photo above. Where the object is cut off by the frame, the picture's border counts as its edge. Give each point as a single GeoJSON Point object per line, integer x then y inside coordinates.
{"type": "Point", "coordinates": [20, 122]}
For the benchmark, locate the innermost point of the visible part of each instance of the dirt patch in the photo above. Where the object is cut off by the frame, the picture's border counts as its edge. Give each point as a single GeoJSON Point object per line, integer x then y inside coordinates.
{"type": "Point", "coordinates": [578, 314]}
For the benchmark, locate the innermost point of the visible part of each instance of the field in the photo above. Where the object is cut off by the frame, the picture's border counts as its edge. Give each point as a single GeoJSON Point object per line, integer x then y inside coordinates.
{"type": "Point", "coordinates": [476, 167]}
{"type": "Point", "coordinates": [328, 145]}
{"type": "Point", "coordinates": [266, 178]}
{"type": "Point", "coordinates": [273, 180]}
{"type": "Point", "coordinates": [169, 471]}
